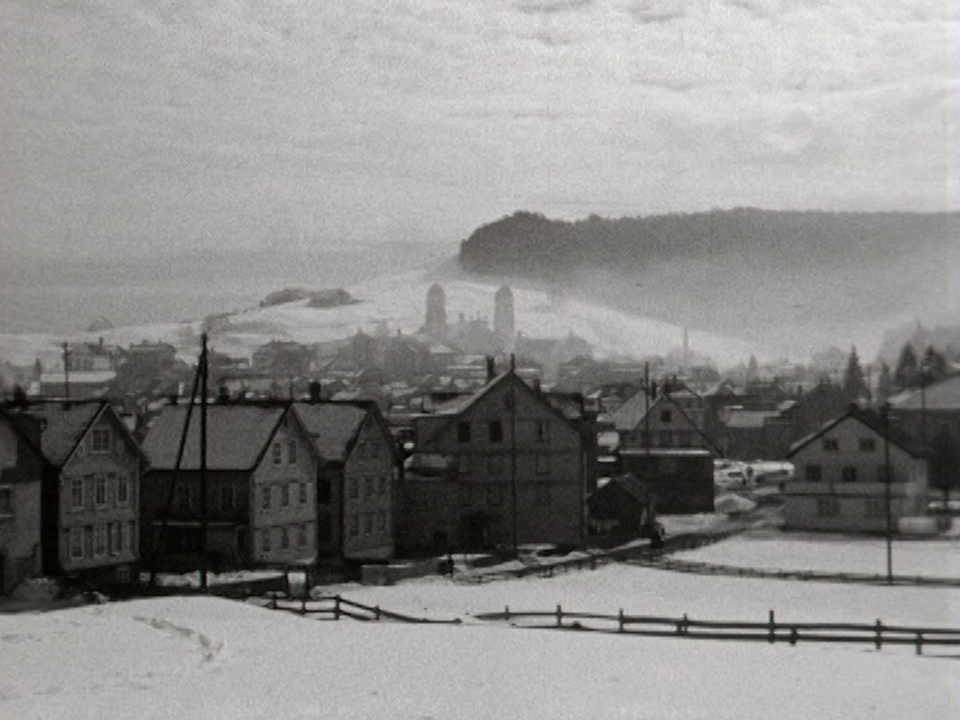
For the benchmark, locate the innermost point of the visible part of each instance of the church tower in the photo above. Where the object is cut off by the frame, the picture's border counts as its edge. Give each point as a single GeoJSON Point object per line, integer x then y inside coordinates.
{"type": "Point", "coordinates": [436, 322]}
{"type": "Point", "coordinates": [503, 317]}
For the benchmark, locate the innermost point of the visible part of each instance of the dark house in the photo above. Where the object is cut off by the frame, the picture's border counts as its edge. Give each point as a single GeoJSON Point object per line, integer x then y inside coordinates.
{"type": "Point", "coordinates": [681, 478]}
{"type": "Point", "coordinates": [622, 509]}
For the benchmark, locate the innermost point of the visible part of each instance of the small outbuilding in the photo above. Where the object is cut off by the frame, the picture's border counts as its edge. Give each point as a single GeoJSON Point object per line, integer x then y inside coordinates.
{"type": "Point", "coordinates": [622, 509]}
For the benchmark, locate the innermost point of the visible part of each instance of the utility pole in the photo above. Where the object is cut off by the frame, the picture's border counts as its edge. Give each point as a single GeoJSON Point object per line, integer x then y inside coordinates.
{"type": "Point", "coordinates": [66, 371]}
{"type": "Point", "coordinates": [513, 451]}
{"type": "Point", "coordinates": [203, 463]}
{"type": "Point", "coordinates": [888, 479]}
{"type": "Point", "coordinates": [646, 408]}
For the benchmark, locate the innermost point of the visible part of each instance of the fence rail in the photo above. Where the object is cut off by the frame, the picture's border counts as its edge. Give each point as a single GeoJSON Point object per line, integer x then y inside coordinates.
{"type": "Point", "coordinates": [335, 607]}
{"type": "Point", "coordinates": [877, 634]}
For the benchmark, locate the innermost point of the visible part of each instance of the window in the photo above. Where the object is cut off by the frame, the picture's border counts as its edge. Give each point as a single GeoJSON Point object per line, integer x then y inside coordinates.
{"type": "Point", "coordinates": [464, 462]}
{"type": "Point", "coordinates": [848, 474]}
{"type": "Point", "coordinates": [813, 473]}
{"type": "Point", "coordinates": [666, 438]}
{"type": "Point", "coordinates": [368, 486]}
{"type": "Point", "coordinates": [542, 494]}
{"type": "Point", "coordinates": [125, 536]}
{"type": "Point", "coordinates": [874, 508]}
{"type": "Point", "coordinates": [301, 536]}
{"type": "Point", "coordinates": [495, 464]}
{"type": "Point", "coordinates": [132, 536]}
{"type": "Point", "coordinates": [868, 444]}
{"type": "Point", "coordinates": [228, 498]}
{"type": "Point", "coordinates": [76, 494]}
{"type": "Point", "coordinates": [354, 489]}
{"type": "Point", "coordinates": [494, 495]}
{"type": "Point", "coordinates": [265, 540]}
{"type": "Point", "coordinates": [382, 485]}
{"type": "Point", "coordinates": [284, 495]}
{"type": "Point", "coordinates": [100, 440]}
{"type": "Point", "coordinates": [375, 450]}
{"type": "Point", "coordinates": [284, 538]}
{"type": "Point", "coordinates": [304, 498]}
{"type": "Point", "coordinates": [354, 526]}
{"type": "Point", "coordinates": [367, 524]}
{"type": "Point", "coordinates": [265, 497]}
{"type": "Point", "coordinates": [123, 490]}
{"type": "Point", "coordinates": [463, 432]}
{"type": "Point", "coordinates": [76, 543]}
{"type": "Point", "coordinates": [496, 431]}
{"type": "Point", "coordinates": [324, 528]}
{"type": "Point", "coordinates": [112, 489]}
{"type": "Point", "coordinates": [323, 491]}
{"type": "Point", "coordinates": [114, 538]}
{"type": "Point", "coordinates": [100, 490]}
{"type": "Point", "coordinates": [381, 522]}
{"type": "Point", "coordinates": [88, 541]}
{"type": "Point", "coordinates": [543, 463]}
{"type": "Point", "coordinates": [277, 453]}
{"type": "Point", "coordinates": [828, 507]}
{"type": "Point", "coordinates": [666, 416]}
{"type": "Point", "coordinates": [831, 445]}
{"type": "Point", "coordinates": [100, 541]}
{"type": "Point", "coordinates": [6, 501]}
{"type": "Point", "coordinates": [542, 430]}
{"type": "Point", "coordinates": [292, 452]}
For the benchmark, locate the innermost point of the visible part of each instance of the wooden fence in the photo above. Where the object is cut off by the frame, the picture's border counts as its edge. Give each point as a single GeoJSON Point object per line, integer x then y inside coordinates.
{"type": "Point", "coordinates": [335, 607]}
{"type": "Point", "coordinates": [877, 634]}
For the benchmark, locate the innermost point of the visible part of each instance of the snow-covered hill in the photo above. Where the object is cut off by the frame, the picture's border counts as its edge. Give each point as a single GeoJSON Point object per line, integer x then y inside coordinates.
{"type": "Point", "coordinates": [397, 303]}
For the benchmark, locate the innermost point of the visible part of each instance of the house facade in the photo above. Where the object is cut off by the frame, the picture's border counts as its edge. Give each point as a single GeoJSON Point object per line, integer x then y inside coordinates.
{"type": "Point", "coordinates": [842, 472]}
{"type": "Point", "coordinates": [357, 497]}
{"type": "Point", "coordinates": [261, 483]}
{"type": "Point", "coordinates": [90, 520]}
{"type": "Point", "coordinates": [500, 466]}
{"type": "Point", "coordinates": [21, 473]}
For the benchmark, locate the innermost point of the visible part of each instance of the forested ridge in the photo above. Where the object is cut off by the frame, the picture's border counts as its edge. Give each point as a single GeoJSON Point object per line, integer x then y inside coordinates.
{"type": "Point", "coordinates": [531, 245]}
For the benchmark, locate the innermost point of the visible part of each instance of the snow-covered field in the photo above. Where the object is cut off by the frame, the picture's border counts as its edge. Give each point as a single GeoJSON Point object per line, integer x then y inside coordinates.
{"type": "Point", "coordinates": [831, 553]}
{"type": "Point", "coordinates": [212, 658]}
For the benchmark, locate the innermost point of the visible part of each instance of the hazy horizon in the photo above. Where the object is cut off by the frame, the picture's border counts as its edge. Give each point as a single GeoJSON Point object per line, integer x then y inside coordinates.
{"type": "Point", "coordinates": [133, 127]}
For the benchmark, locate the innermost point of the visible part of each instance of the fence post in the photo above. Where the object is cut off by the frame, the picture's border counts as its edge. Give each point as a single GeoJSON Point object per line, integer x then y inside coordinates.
{"type": "Point", "coordinates": [273, 600]}
{"type": "Point", "coordinates": [773, 628]}
{"type": "Point", "coordinates": [303, 604]}
{"type": "Point", "coordinates": [878, 640]}
{"type": "Point", "coordinates": [919, 643]}
{"type": "Point", "coordinates": [376, 612]}
{"type": "Point", "coordinates": [559, 616]}
{"type": "Point", "coordinates": [794, 636]}
{"type": "Point", "coordinates": [620, 621]}
{"type": "Point", "coordinates": [506, 612]}
{"type": "Point", "coordinates": [336, 607]}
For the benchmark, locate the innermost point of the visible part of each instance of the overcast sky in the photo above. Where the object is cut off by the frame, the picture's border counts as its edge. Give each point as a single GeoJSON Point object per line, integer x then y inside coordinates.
{"type": "Point", "coordinates": [144, 124]}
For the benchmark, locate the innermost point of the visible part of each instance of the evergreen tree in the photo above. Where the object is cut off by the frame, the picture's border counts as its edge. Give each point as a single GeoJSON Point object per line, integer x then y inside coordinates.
{"type": "Point", "coordinates": [933, 367]}
{"type": "Point", "coordinates": [854, 382]}
{"type": "Point", "coordinates": [905, 376]}
{"type": "Point", "coordinates": [884, 384]}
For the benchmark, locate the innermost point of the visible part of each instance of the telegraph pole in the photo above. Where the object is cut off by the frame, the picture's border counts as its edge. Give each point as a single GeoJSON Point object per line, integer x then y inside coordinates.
{"type": "Point", "coordinates": [203, 463]}
{"type": "Point", "coordinates": [513, 451]}
{"type": "Point", "coordinates": [888, 479]}
{"type": "Point", "coordinates": [66, 371]}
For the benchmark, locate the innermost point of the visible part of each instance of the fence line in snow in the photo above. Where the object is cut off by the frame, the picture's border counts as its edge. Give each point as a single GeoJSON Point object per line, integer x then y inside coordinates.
{"type": "Point", "coordinates": [877, 634]}
{"type": "Point", "coordinates": [336, 607]}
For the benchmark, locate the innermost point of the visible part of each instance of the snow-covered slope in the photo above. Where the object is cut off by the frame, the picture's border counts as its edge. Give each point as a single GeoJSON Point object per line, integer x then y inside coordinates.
{"type": "Point", "coordinates": [398, 302]}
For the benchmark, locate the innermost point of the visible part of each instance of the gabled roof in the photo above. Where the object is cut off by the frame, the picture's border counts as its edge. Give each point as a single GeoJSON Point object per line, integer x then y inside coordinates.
{"type": "Point", "coordinates": [741, 418]}
{"type": "Point", "coordinates": [633, 485]}
{"type": "Point", "coordinates": [237, 436]}
{"type": "Point", "coordinates": [66, 423]}
{"type": "Point", "coordinates": [333, 426]}
{"type": "Point", "coordinates": [942, 395]}
{"type": "Point", "coordinates": [873, 422]}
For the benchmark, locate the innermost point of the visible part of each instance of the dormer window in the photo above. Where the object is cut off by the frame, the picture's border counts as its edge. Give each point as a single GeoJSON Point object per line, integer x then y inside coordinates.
{"type": "Point", "coordinates": [831, 445]}
{"type": "Point", "coordinates": [101, 440]}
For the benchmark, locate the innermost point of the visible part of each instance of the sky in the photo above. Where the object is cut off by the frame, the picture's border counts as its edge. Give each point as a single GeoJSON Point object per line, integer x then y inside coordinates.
{"type": "Point", "coordinates": [147, 126]}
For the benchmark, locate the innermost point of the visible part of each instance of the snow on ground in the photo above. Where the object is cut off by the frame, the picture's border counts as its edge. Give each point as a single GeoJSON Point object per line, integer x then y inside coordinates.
{"type": "Point", "coordinates": [214, 658]}
{"type": "Point", "coordinates": [831, 553]}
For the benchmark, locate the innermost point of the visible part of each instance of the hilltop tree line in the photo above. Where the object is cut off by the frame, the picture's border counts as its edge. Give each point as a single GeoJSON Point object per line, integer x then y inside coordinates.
{"type": "Point", "coordinates": [532, 245]}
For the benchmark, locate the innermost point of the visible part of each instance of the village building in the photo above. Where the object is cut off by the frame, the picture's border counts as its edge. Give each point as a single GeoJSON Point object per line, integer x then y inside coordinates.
{"type": "Point", "coordinates": [499, 467]}
{"type": "Point", "coordinates": [90, 519]}
{"type": "Point", "coordinates": [842, 476]}
{"type": "Point", "coordinates": [357, 485]}
{"type": "Point", "coordinates": [21, 473]}
{"type": "Point", "coordinates": [260, 505]}
{"type": "Point", "coordinates": [622, 509]}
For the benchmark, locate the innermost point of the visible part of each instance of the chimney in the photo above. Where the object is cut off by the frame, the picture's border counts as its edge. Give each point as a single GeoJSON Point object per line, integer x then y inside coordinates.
{"type": "Point", "coordinates": [315, 388]}
{"type": "Point", "coordinates": [491, 368]}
